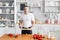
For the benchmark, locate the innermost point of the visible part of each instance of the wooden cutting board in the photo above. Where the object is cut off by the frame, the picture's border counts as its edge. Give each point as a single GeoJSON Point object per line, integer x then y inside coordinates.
{"type": "Point", "coordinates": [20, 37]}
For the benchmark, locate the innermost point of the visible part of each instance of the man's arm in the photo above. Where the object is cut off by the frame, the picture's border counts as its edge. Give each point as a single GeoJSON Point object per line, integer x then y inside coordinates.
{"type": "Point", "coordinates": [33, 22]}
{"type": "Point", "coordinates": [20, 23]}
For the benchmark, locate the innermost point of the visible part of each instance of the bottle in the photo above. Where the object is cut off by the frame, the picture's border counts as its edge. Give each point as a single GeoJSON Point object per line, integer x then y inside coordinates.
{"type": "Point", "coordinates": [6, 4]}
{"type": "Point", "coordinates": [52, 21]}
{"type": "Point", "coordinates": [12, 11]}
{"type": "Point", "coordinates": [0, 11]}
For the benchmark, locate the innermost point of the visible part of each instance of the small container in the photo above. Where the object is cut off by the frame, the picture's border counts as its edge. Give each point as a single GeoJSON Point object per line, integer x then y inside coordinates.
{"type": "Point", "coordinates": [0, 17]}
{"type": "Point", "coordinates": [1, 3]}
{"type": "Point", "coordinates": [0, 11]}
{"type": "Point", "coordinates": [12, 4]}
{"type": "Point", "coordinates": [3, 11]}
{"type": "Point", "coordinates": [52, 21]}
{"type": "Point", "coordinates": [12, 11]}
{"type": "Point", "coordinates": [6, 4]}
{"type": "Point", "coordinates": [7, 10]}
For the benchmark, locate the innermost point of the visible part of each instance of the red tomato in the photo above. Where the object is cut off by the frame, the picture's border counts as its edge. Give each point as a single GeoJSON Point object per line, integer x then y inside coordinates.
{"type": "Point", "coordinates": [41, 36]}
{"type": "Point", "coordinates": [38, 36]}
{"type": "Point", "coordinates": [35, 36]}
{"type": "Point", "coordinates": [40, 39]}
{"type": "Point", "coordinates": [10, 35]}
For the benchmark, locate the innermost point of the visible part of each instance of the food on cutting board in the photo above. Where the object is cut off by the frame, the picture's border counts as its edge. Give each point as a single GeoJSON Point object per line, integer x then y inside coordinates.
{"type": "Point", "coordinates": [16, 36]}
{"type": "Point", "coordinates": [11, 35]}
{"type": "Point", "coordinates": [39, 37]}
{"type": "Point", "coordinates": [43, 37]}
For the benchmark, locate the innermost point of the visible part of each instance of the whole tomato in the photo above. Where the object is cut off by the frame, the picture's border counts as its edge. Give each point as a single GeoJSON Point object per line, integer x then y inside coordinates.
{"type": "Point", "coordinates": [35, 36]}
{"type": "Point", "coordinates": [40, 39]}
{"type": "Point", "coordinates": [10, 35]}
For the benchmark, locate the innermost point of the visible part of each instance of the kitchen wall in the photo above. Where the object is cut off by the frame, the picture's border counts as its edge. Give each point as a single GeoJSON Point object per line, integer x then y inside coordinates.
{"type": "Point", "coordinates": [39, 11]}
{"type": "Point", "coordinates": [40, 15]}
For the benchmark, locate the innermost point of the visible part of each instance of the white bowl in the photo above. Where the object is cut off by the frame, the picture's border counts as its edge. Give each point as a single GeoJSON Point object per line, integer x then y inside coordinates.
{"type": "Point", "coordinates": [7, 4]}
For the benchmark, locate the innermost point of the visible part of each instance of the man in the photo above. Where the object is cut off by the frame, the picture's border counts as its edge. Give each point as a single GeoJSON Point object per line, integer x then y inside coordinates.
{"type": "Point", "coordinates": [27, 21]}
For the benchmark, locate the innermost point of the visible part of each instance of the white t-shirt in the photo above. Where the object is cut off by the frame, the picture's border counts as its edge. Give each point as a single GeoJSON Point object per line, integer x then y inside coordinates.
{"type": "Point", "coordinates": [27, 18]}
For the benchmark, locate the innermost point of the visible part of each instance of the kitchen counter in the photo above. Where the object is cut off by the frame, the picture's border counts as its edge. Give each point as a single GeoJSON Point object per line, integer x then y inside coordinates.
{"type": "Point", "coordinates": [38, 28]}
{"type": "Point", "coordinates": [20, 37]}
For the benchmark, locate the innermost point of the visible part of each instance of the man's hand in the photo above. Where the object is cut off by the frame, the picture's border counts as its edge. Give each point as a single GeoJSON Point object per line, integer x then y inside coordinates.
{"type": "Point", "coordinates": [33, 23]}
{"type": "Point", "coordinates": [20, 23]}
{"type": "Point", "coordinates": [20, 26]}
{"type": "Point", "coordinates": [30, 27]}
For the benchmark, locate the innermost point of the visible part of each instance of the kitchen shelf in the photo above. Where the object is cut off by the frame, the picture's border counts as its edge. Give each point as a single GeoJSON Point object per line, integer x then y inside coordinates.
{"type": "Point", "coordinates": [6, 20]}
{"type": "Point", "coordinates": [7, 12]}
{"type": "Point", "coordinates": [4, 7]}
{"type": "Point", "coordinates": [51, 12]}
{"type": "Point", "coordinates": [52, 6]}
{"type": "Point", "coordinates": [47, 24]}
{"type": "Point", "coordinates": [52, 0]}
{"type": "Point", "coordinates": [36, 7]}
{"type": "Point", "coordinates": [2, 26]}
{"type": "Point", "coordinates": [6, 0]}
{"type": "Point", "coordinates": [8, 26]}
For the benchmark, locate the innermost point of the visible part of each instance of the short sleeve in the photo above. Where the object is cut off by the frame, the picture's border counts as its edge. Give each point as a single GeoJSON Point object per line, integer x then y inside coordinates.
{"type": "Point", "coordinates": [32, 18]}
{"type": "Point", "coordinates": [20, 17]}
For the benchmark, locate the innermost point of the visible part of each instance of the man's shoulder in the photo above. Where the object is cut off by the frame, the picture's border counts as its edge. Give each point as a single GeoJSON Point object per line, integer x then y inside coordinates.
{"type": "Point", "coordinates": [21, 15]}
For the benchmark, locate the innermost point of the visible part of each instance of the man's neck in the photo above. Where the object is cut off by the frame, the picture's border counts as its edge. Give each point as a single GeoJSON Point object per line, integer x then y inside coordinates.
{"type": "Point", "coordinates": [25, 13]}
